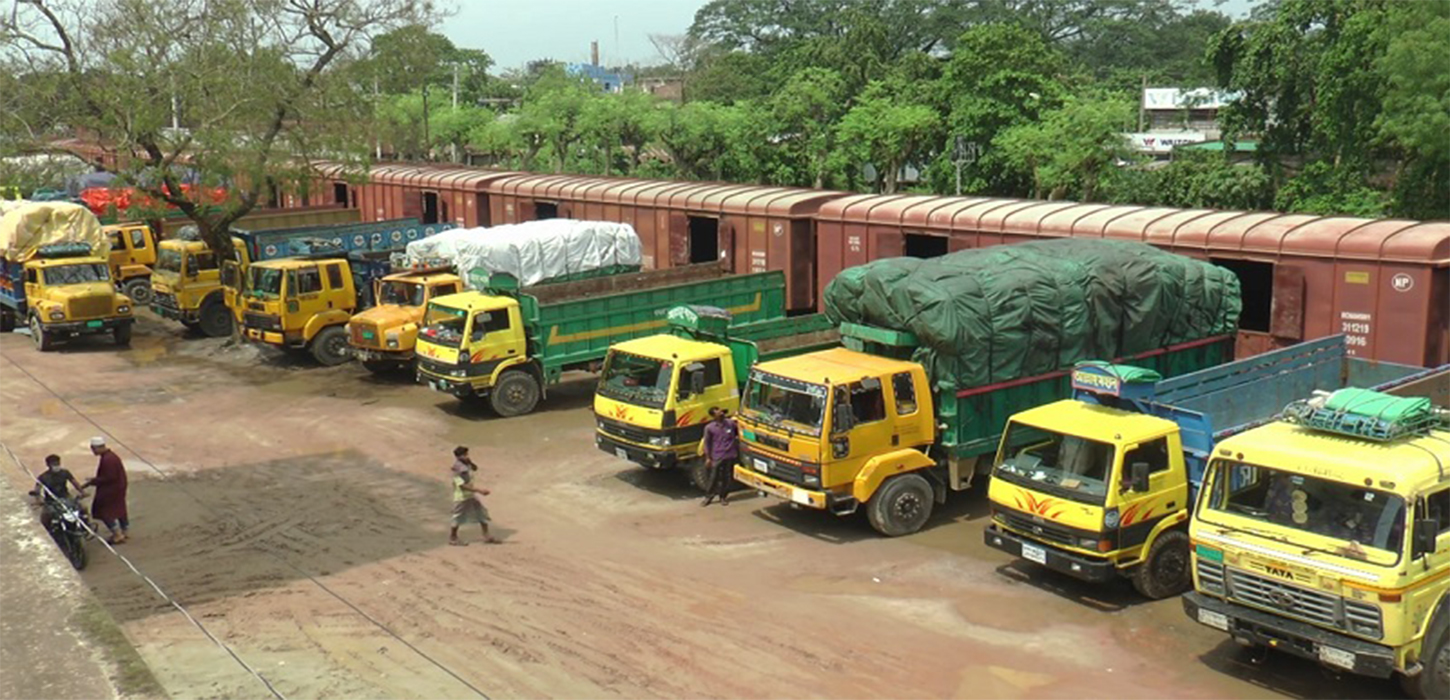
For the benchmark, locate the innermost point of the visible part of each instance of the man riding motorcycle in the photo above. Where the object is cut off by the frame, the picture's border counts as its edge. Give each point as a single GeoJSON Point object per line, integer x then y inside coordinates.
{"type": "Point", "coordinates": [53, 494]}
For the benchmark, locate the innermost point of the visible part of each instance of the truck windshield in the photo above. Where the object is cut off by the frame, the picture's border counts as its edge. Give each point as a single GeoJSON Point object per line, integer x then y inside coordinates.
{"type": "Point", "coordinates": [786, 403]}
{"type": "Point", "coordinates": [78, 273]}
{"type": "Point", "coordinates": [637, 379]}
{"type": "Point", "coordinates": [1370, 523]}
{"type": "Point", "coordinates": [1066, 465]}
{"type": "Point", "coordinates": [401, 293]}
{"type": "Point", "coordinates": [169, 260]}
{"type": "Point", "coordinates": [444, 325]}
{"type": "Point", "coordinates": [265, 281]}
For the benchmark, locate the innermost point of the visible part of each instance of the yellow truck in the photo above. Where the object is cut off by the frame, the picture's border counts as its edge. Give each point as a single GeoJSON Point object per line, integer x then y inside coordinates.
{"type": "Point", "coordinates": [55, 275]}
{"type": "Point", "coordinates": [383, 337]}
{"type": "Point", "coordinates": [1326, 535]}
{"type": "Point", "coordinates": [133, 253]}
{"type": "Point", "coordinates": [655, 393]}
{"type": "Point", "coordinates": [1100, 486]}
{"type": "Point", "coordinates": [304, 303]}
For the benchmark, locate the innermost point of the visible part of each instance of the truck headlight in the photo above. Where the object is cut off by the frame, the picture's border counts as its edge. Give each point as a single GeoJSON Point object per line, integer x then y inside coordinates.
{"type": "Point", "coordinates": [123, 309]}
{"type": "Point", "coordinates": [57, 315]}
{"type": "Point", "coordinates": [458, 373]}
{"type": "Point", "coordinates": [1087, 543]}
{"type": "Point", "coordinates": [812, 480]}
{"type": "Point", "coordinates": [1110, 519]}
{"type": "Point", "coordinates": [392, 339]}
{"type": "Point", "coordinates": [660, 440]}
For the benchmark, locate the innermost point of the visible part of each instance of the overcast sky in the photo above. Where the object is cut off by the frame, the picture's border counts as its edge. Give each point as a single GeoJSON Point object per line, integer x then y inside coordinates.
{"type": "Point", "coordinates": [515, 32]}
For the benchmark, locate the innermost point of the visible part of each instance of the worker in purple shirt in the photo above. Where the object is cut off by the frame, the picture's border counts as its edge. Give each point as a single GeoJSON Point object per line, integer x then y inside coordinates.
{"type": "Point", "coordinates": [722, 449]}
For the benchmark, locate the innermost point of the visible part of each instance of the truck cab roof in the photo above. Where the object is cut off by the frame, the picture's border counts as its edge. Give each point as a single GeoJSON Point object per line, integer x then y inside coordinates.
{"type": "Point", "coordinates": [59, 262]}
{"type": "Point", "coordinates": [1095, 422]}
{"type": "Point", "coordinates": [836, 366]}
{"type": "Point", "coordinates": [670, 347]}
{"type": "Point", "coordinates": [1405, 465]}
{"type": "Point", "coordinates": [424, 276]}
{"type": "Point", "coordinates": [473, 301]}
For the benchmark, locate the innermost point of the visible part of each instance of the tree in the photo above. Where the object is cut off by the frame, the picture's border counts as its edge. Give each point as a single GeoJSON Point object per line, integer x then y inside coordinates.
{"type": "Point", "coordinates": [888, 134]}
{"type": "Point", "coordinates": [409, 57]}
{"type": "Point", "coordinates": [626, 120]}
{"type": "Point", "coordinates": [1071, 148]}
{"type": "Point", "coordinates": [805, 111]}
{"type": "Point", "coordinates": [1415, 122]}
{"type": "Point", "coordinates": [260, 88]}
{"type": "Point", "coordinates": [552, 109]}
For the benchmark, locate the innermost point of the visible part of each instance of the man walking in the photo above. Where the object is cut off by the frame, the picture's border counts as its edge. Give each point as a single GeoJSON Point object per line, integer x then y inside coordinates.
{"type": "Point", "coordinates": [109, 505]}
{"type": "Point", "coordinates": [722, 449]}
{"type": "Point", "coordinates": [467, 508]}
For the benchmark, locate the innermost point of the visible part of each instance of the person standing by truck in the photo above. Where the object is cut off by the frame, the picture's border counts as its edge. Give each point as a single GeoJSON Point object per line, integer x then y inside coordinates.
{"type": "Point", "coordinates": [722, 450]}
{"type": "Point", "coordinates": [467, 508]}
{"type": "Point", "coordinates": [109, 505]}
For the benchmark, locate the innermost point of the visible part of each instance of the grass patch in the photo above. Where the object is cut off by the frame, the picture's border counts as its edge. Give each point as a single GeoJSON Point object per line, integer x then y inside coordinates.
{"type": "Point", "coordinates": [133, 676]}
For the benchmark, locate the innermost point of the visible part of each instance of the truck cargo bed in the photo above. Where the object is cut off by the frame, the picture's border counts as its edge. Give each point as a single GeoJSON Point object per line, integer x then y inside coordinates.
{"type": "Point", "coordinates": [557, 292]}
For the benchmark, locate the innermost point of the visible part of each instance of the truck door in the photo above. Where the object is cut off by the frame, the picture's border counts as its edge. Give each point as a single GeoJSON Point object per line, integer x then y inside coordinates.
{"type": "Point", "coordinates": [492, 339]}
{"type": "Point", "coordinates": [1167, 492]}
{"type": "Point", "coordinates": [862, 405]}
{"type": "Point", "coordinates": [340, 292]}
{"type": "Point", "coordinates": [304, 297]}
{"type": "Point", "coordinates": [694, 409]}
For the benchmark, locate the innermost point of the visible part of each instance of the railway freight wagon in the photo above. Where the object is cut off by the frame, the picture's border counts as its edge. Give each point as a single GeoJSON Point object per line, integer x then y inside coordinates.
{"type": "Point", "coordinates": [430, 193]}
{"type": "Point", "coordinates": [1384, 284]}
{"type": "Point", "coordinates": [751, 228]}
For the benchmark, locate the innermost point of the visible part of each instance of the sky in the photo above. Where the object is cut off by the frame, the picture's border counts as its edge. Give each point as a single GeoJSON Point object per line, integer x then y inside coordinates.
{"type": "Point", "coordinates": [515, 32]}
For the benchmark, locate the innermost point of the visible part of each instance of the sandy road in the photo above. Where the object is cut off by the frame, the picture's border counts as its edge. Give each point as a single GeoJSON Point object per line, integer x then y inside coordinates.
{"type": "Point", "coordinates": [300, 513]}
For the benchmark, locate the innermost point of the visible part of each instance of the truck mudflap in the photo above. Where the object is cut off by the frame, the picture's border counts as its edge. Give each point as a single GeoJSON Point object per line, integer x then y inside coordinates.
{"type": "Point", "coordinates": [652, 458]}
{"type": "Point", "coordinates": [1074, 565]}
{"type": "Point", "coordinates": [1254, 628]}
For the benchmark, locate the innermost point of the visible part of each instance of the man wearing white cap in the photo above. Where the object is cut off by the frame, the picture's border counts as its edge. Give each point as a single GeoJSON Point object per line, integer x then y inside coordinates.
{"type": "Point", "coordinates": [109, 505]}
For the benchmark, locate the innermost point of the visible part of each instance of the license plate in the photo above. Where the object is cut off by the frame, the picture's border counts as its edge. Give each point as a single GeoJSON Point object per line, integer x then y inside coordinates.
{"type": "Point", "coordinates": [94, 324]}
{"type": "Point", "coordinates": [800, 497]}
{"type": "Point", "coordinates": [1215, 620]}
{"type": "Point", "coordinates": [1032, 552]}
{"type": "Point", "coordinates": [761, 466]}
{"type": "Point", "coordinates": [1337, 657]}
{"type": "Point", "coordinates": [434, 385]}
{"type": "Point", "coordinates": [368, 335]}
{"type": "Point", "coordinates": [621, 453]}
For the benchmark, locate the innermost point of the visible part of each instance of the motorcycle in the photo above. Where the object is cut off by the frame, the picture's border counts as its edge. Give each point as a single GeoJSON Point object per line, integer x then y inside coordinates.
{"type": "Point", "coordinates": [70, 528]}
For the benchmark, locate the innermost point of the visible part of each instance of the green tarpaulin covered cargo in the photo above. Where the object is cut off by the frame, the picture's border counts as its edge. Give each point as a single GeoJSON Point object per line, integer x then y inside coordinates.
{"type": "Point", "coordinates": [1005, 312]}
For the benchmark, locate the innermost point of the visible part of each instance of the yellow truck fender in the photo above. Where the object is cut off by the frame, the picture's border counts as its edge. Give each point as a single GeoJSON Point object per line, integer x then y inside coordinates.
{"type": "Point", "coordinates": [1177, 521]}
{"type": "Point", "coordinates": [330, 317]}
{"type": "Point", "coordinates": [884, 466]}
{"type": "Point", "coordinates": [505, 366]}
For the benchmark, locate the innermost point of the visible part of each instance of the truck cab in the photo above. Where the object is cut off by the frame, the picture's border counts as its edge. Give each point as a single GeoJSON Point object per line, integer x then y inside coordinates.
{"type": "Point", "coordinates": [1098, 486]}
{"type": "Point", "coordinates": [187, 287]}
{"type": "Point", "coordinates": [62, 292]}
{"type": "Point", "coordinates": [838, 429]}
{"type": "Point", "coordinates": [384, 337]}
{"type": "Point", "coordinates": [654, 399]}
{"type": "Point", "coordinates": [475, 344]}
{"type": "Point", "coordinates": [301, 303]}
{"type": "Point", "coordinates": [133, 254]}
{"type": "Point", "coordinates": [1326, 535]}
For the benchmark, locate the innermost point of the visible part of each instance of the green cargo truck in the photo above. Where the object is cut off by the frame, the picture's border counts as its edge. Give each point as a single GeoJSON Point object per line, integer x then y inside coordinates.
{"type": "Point", "coordinates": [506, 345]}
{"type": "Point", "coordinates": [655, 393]}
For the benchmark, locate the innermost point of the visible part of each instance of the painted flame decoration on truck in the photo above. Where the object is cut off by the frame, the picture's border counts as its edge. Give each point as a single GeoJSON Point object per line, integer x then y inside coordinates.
{"type": "Point", "coordinates": [1047, 507]}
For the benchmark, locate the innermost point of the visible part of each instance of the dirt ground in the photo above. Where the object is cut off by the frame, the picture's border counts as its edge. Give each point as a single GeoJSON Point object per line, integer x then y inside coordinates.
{"type": "Point", "coordinates": [300, 513]}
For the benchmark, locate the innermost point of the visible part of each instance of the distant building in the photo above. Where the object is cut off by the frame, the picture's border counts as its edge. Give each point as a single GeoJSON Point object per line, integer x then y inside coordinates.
{"type": "Point", "coordinates": [672, 88]}
{"type": "Point", "coordinates": [1172, 117]}
{"type": "Point", "coordinates": [610, 80]}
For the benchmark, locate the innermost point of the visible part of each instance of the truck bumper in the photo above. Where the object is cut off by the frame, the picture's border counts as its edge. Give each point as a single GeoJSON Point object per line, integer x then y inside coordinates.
{"type": "Point", "coordinates": [370, 355]}
{"type": "Point", "coordinates": [460, 388]}
{"type": "Point", "coordinates": [1252, 627]}
{"type": "Point", "coordinates": [99, 325]}
{"type": "Point", "coordinates": [651, 457]}
{"type": "Point", "coordinates": [1074, 565]}
{"type": "Point", "coordinates": [174, 314]}
{"type": "Point", "coordinates": [269, 337]}
{"type": "Point", "coordinates": [810, 498]}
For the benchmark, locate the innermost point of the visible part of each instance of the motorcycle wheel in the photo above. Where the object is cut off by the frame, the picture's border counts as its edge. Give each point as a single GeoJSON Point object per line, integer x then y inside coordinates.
{"type": "Point", "coordinates": [75, 551]}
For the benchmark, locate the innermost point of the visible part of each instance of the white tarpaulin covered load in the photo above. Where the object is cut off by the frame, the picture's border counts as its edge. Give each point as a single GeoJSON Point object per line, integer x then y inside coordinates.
{"type": "Point", "coordinates": [26, 226]}
{"type": "Point", "coordinates": [534, 251]}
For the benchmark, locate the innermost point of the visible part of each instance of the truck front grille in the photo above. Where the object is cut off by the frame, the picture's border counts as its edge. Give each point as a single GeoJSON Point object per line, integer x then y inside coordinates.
{"type": "Point", "coordinates": [365, 335]}
{"type": "Point", "coordinates": [261, 321]}
{"type": "Point", "coordinates": [1046, 529]}
{"type": "Point", "coordinates": [623, 431]}
{"type": "Point", "coordinates": [1210, 576]}
{"type": "Point", "coordinates": [773, 468]}
{"type": "Point", "coordinates": [1301, 603]}
{"type": "Point", "coordinates": [81, 308]}
{"type": "Point", "coordinates": [165, 300]}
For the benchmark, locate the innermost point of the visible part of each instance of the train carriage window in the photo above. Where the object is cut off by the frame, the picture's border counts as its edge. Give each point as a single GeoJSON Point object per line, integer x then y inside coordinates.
{"type": "Point", "coordinates": [1256, 282]}
{"type": "Point", "coordinates": [704, 239]}
{"type": "Point", "coordinates": [430, 208]}
{"type": "Point", "coordinates": [920, 245]}
{"type": "Point", "coordinates": [339, 193]}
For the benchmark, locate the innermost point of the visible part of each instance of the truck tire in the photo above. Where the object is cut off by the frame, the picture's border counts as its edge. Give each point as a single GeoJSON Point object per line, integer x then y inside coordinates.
{"type": "Point", "coordinates": [215, 319]}
{"type": "Point", "coordinates": [699, 474]}
{"type": "Point", "coordinates": [1165, 571]}
{"type": "Point", "coordinates": [1434, 679]}
{"type": "Point", "coordinates": [901, 506]}
{"type": "Point", "coordinates": [122, 334]}
{"type": "Point", "coordinates": [7, 320]}
{"type": "Point", "coordinates": [139, 289]}
{"type": "Point", "coordinates": [44, 340]}
{"type": "Point", "coordinates": [329, 347]}
{"type": "Point", "coordinates": [516, 393]}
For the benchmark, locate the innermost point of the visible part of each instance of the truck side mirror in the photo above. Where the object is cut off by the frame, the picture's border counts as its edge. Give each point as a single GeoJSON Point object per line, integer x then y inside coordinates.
{"type": "Point", "coordinates": [1139, 472]}
{"type": "Point", "coordinates": [1426, 531]}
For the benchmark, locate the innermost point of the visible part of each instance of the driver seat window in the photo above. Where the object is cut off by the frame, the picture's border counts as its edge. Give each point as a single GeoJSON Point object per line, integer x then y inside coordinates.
{"type": "Point", "coordinates": [1154, 453]}
{"type": "Point", "coordinates": [491, 322]}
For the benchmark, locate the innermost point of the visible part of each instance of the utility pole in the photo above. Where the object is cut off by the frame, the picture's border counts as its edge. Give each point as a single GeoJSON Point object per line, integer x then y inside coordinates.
{"type": "Point", "coordinates": [427, 141]}
{"type": "Point", "coordinates": [455, 86]}
{"type": "Point", "coordinates": [453, 144]}
{"type": "Point", "coordinates": [1143, 104]}
{"type": "Point", "coordinates": [377, 139]}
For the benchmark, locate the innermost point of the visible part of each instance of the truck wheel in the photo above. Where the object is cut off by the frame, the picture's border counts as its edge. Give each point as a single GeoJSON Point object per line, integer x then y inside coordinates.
{"type": "Point", "coordinates": [700, 474]}
{"type": "Point", "coordinates": [215, 320]}
{"type": "Point", "coordinates": [1434, 678]}
{"type": "Point", "coordinates": [517, 393]}
{"type": "Point", "coordinates": [44, 340]}
{"type": "Point", "coordinates": [122, 334]}
{"type": "Point", "coordinates": [330, 347]}
{"type": "Point", "coordinates": [901, 506]}
{"type": "Point", "coordinates": [382, 366]}
{"type": "Point", "coordinates": [1165, 572]}
{"type": "Point", "coordinates": [7, 320]}
{"type": "Point", "coordinates": [139, 289]}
